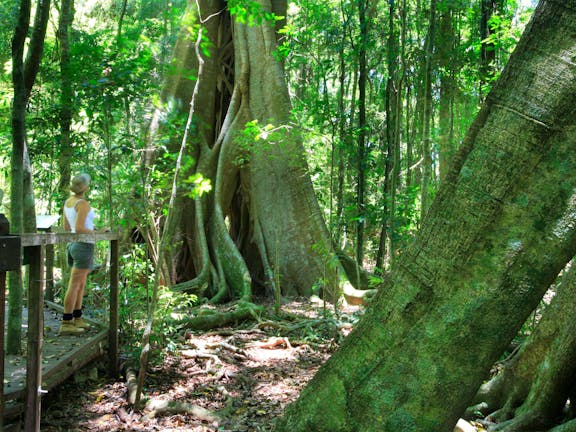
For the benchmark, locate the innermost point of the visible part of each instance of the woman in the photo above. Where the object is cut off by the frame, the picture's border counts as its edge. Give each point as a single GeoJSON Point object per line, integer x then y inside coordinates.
{"type": "Point", "coordinates": [78, 218]}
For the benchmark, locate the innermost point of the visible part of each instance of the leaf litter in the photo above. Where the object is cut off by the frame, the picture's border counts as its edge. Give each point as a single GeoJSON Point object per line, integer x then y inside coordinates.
{"type": "Point", "coordinates": [236, 379]}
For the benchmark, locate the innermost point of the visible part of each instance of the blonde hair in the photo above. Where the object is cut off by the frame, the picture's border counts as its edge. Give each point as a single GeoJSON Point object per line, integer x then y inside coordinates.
{"type": "Point", "coordinates": [80, 183]}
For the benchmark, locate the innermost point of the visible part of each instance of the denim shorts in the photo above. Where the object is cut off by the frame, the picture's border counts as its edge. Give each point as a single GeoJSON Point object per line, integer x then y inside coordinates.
{"type": "Point", "coordinates": [80, 255]}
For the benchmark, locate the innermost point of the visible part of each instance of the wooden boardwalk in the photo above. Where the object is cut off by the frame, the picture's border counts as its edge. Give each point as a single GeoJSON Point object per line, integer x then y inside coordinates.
{"type": "Point", "coordinates": [62, 356]}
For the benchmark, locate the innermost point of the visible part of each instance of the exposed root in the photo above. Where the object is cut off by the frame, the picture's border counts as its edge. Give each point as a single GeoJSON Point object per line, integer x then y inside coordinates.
{"type": "Point", "coordinates": [132, 385]}
{"type": "Point", "coordinates": [208, 319]}
{"type": "Point", "coordinates": [271, 343]}
{"type": "Point", "coordinates": [565, 427]}
{"type": "Point", "coordinates": [523, 423]}
{"type": "Point", "coordinates": [194, 353]}
{"type": "Point", "coordinates": [355, 296]}
{"type": "Point", "coordinates": [158, 407]}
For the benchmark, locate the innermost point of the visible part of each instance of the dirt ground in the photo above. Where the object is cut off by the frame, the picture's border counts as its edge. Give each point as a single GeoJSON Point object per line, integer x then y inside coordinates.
{"type": "Point", "coordinates": [231, 379]}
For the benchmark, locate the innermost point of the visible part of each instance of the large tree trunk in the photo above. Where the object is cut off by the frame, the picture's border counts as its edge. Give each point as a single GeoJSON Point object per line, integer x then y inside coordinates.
{"type": "Point", "coordinates": [260, 226]}
{"type": "Point", "coordinates": [497, 235]}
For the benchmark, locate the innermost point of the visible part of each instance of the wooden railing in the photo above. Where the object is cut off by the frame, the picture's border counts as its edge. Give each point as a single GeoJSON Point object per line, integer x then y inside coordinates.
{"type": "Point", "coordinates": [10, 259]}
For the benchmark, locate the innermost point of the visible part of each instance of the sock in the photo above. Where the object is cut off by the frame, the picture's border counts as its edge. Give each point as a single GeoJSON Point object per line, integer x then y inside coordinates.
{"type": "Point", "coordinates": [77, 313]}
{"type": "Point", "coordinates": [67, 317]}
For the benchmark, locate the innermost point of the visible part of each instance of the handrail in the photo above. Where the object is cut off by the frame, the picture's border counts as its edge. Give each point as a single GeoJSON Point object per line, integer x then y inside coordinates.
{"type": "Point", "coordinates": [43, 239]}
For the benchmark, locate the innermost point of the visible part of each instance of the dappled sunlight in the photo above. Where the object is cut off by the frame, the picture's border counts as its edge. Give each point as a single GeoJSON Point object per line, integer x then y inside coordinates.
{"type": "Point", "coordinates": [245, 376]}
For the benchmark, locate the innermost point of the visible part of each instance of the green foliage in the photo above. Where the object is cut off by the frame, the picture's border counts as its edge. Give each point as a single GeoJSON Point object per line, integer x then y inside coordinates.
{"type": "Point", "coordinates": [8, 14]}
{"type": "Point", "coordinates": [251, 12]}
{"type": "Point", "coordinates": [257, 139]}
{"type": "Point", "coordinates": [136, 297]}
{"type": "Point", "coordinates": [199, 184]}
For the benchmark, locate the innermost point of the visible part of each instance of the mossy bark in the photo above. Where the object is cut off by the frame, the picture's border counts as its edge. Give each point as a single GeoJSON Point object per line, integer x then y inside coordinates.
{"type": "Point", "coordinates": [495, 238]}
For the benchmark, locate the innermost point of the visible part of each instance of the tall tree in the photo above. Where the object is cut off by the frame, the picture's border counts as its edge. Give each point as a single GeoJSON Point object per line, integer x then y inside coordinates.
{"type": "Point", "coordinates": [496, 236]}
{"type": "Point", "coordinates": [448, 66]}
{"type": "Point", "coordinates": [260, 227]}
{"type": "Point", "coordinates": [393, 126]}
{"type": "Point", "coordinates": [23, 76]}
{"type": "Point", "coordinates": [427, 171]}
{"type": "Point", "coordinates": [531, 391]}
{"type": "Point", "coordinates": [66, 17]}
{"type": "Point", "coordinates": [487, 47]}
{"type": "Point", "coordinates": [362, 129]}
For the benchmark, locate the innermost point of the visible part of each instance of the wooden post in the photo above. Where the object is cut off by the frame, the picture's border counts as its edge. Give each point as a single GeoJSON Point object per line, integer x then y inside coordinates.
{"type": "Point", "coordinates": [114, 310]}
{"type": "Point", "coordinates": [4, 231]}
{"type": "Point", "coordinates": [2, 320]}
{"type": "Point", "coordinates": [35, 327]}
{"type": "Point", "coordinates": [49, 271]}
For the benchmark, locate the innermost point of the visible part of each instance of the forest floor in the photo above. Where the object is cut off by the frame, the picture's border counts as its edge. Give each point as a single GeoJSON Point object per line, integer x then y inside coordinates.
{"type": "Point", "coordinates": [229, 379]}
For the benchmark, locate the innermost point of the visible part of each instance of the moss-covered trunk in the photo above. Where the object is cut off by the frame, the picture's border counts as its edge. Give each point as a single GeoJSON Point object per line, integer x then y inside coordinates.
{"type": "Point", "coordinates": [497, 235]}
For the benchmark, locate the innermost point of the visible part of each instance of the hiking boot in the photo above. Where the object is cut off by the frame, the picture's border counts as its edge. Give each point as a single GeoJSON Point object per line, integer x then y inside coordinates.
{"type": "Point", "coordinates": [80, 323]}
{"type": "Point", "coordinates": [68, 328]}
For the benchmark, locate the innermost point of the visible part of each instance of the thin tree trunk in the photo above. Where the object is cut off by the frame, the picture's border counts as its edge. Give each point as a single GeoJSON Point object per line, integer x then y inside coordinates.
{"type": "Point", "coordinates": [362, 132]}
{"type": "Point", "coordinates": [22, 202]}
{"type": "Point", "coordinates": [427, 111]}
{"type": "Point", "coordinates": [342, 133]}
{"type": "Point", "coordinates": [18, 120]}
{"type": "Point", "coordinates": [447, 65]}
{"type": "Point", "coordinates": [66, 17]}
{"type": "Point", "coordinates": [487, 47]}
{"type": "Point", "coordinates": [393, 121]}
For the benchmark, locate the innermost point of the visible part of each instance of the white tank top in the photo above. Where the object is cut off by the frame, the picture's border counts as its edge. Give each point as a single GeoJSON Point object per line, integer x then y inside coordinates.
{"type": "Point", "coordinates": [72, 215]}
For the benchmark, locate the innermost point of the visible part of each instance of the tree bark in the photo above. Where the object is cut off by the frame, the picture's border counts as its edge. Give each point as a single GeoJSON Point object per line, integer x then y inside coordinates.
{"type": "Point", "coordinates": [496, 236]}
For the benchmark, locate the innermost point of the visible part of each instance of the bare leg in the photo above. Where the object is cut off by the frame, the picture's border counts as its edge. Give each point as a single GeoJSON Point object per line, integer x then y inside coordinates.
{"type": "Point", "coordinates": [73, 298]}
